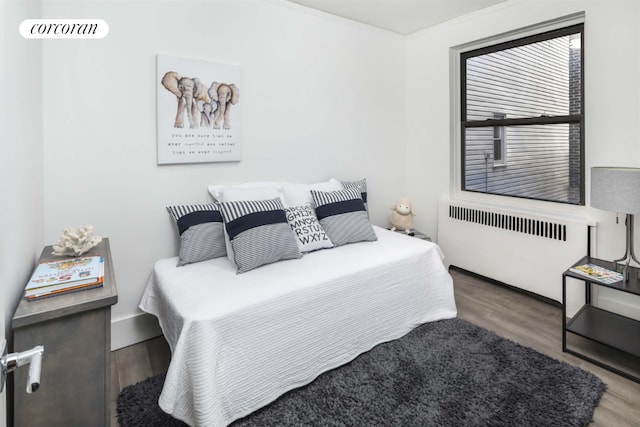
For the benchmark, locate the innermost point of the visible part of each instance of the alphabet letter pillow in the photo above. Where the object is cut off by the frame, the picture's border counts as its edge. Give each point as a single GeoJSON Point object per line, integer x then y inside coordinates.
{"type": "Point", "coordinates": [258, 232]}
{"type": "Point", "coordinates": [201, 232]}
{"type": "Point", "coordinates": [308, 232]}
{"type": "Point", "coordinates": [343, 216]}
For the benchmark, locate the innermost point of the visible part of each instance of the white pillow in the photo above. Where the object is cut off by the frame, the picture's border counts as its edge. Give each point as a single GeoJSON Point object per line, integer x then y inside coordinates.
{"type": "Point", "coordinates": [216, 190]}
{"type": "Point", "coordinates": [300, 194]}
{"type": "Point", "coordinates": [236, 194]}
{"type": "Point", "coordinates": [331, 185]}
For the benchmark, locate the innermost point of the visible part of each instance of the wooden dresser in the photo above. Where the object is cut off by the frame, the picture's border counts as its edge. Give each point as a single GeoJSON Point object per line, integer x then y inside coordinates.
{"type": "Point", "coordinates": [75, 330]}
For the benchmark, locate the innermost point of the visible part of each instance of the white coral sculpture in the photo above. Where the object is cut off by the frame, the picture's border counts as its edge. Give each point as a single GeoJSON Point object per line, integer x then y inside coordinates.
{"type": "Point", "coordinates": [76, 242]}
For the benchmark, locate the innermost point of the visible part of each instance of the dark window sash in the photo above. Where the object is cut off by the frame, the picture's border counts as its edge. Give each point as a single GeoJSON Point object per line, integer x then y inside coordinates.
{"type": "Point", "coordinates": [574, 29]}
{"type": "Point", "coordinates": [523, 121]}
{"type": "Point", "coordinates": [544, 120]}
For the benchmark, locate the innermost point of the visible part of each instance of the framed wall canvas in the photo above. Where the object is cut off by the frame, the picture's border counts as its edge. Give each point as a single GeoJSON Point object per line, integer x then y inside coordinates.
{"type": "Point", "coordinates": [198, 111]}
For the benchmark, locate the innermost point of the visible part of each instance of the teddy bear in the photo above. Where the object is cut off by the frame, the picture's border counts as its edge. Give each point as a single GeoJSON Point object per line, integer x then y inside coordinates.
{"type": "Point", "coordinates": [402, 215]}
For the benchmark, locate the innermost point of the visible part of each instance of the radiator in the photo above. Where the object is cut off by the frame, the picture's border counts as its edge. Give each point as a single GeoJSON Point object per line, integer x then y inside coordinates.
{"type": "Point", "coordinates": [523, 250]}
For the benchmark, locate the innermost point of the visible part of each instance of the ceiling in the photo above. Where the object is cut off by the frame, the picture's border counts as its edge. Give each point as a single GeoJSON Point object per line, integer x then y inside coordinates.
{"type": "Point", "coordinates": [400, 16]}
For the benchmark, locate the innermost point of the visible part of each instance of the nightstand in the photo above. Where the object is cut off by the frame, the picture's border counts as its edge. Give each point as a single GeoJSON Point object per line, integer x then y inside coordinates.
{"type": "Point", "coordinates": [599, 325]}
{"type": "Point", "coordinates": [75, 330]}
{"type": "Point", "coordinates": [415, 233]}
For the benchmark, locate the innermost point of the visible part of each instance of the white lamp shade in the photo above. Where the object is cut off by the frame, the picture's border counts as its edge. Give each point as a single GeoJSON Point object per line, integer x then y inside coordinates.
{"type": "Point", "coordinates": [616, 189]}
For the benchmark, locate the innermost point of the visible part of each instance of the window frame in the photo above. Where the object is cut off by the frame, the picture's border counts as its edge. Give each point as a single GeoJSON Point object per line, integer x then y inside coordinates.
{"type": "Point", "coordinates": [463, 55]}
{"type": "Point", "coordinates": [501, 139]}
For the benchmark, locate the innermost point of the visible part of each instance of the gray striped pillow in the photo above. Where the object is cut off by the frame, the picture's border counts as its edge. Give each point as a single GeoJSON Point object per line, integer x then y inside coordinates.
{"type": "Point", "coordinates": [343, 216]}
{"type": "Point", "coordinates": [259, 233]}
{"type": "Point", "coordinates": [201, 232]}
{"type": "Point", "coordinates": [360, 185]}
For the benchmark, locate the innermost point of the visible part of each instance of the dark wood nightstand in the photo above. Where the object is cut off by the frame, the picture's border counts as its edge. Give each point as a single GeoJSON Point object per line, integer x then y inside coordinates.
{"type": "Point", "coordinates": [75, 330]}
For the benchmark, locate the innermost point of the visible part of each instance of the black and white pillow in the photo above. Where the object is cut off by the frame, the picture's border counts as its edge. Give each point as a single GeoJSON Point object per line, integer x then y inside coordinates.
{"type": "Point", "coordinates": [308, 232]}
{"type": "Point", "coordinates": [360, 185]}
{"type": "Point", "coordinates": [261, 191]}
{"type": "Point", "coordinates": [259, 233]}
{"type": "Point", "coordinates": [343, 216]}
{"type": "Point", "coordinates": [201, 232]}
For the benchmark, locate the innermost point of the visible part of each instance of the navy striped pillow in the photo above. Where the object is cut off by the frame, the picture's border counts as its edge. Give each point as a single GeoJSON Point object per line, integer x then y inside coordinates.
{"type": "Point", "coordinates": [360, 185]}
{"type": "Point", "coordinates": [201, 232]}
{"type": "Point", "coordinates": [259, 233]}
{"type": "Point", "coordinates": [343, 216]}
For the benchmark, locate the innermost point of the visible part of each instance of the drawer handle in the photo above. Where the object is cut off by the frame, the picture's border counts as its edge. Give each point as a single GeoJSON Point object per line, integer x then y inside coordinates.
{"type": "Point", "coordinates": [10, 362]}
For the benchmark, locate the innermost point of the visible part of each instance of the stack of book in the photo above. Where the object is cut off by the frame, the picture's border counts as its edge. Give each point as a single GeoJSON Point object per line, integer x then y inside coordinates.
{"type": "Point", "coordinates": [66, 275]}
{"type": "Point", "coordinates": [598, 273]}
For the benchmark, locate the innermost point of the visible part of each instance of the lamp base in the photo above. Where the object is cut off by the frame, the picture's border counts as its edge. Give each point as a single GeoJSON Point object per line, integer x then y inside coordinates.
{"type": "Point", "coordinates": [629, 254]}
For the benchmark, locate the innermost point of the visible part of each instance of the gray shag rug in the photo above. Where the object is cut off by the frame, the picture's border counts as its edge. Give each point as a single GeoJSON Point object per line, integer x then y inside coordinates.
{"type": "Point", "coordinates": [445, 373]}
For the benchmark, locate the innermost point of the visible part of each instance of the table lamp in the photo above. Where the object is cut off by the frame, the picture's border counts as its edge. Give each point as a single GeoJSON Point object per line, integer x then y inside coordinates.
{"type": "Point", "coordinates": [616, 189]}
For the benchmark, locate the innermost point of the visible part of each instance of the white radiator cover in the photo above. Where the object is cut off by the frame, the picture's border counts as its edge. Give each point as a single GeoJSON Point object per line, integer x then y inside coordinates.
{"type": "Point", "coordinates": [527, 251]}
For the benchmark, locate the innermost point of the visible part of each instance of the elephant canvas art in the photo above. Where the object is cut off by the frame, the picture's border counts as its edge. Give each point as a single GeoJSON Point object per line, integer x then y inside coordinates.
{"type": "Point", "coordinates": [204, 107]}
{"type": "Point", "coordinates": [225, 95]}
{"type": "Point", "coordinates": [190, 93]}
{"type": "Point", "coordinates": [206, 113]}
{"type": "Point", "coordinates": [198, 116]}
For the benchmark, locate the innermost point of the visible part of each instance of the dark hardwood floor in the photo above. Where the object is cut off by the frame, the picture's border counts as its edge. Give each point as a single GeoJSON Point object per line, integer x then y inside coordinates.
{"type": "Point", "coordinates": [511, 314]}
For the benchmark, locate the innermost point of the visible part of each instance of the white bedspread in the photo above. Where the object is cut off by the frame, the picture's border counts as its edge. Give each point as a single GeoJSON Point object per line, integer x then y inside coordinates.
{"type": "Point", "coordinates": [239, 341]}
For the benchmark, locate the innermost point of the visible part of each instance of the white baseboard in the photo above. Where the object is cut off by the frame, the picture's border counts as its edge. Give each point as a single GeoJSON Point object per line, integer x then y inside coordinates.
{"type": "Point", "coordinates": [617, 302]}
{"type": "Point", "coordinates": [133, 329]}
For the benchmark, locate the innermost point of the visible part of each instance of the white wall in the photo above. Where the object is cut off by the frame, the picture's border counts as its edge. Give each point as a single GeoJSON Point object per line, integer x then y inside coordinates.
{"type": "Point", "coordinates": [612, 67]}
{"type": "Point", "coordinates": [21, 189]}
{"type": "Point", "coordinates": [322, 97]}
{"type": "Point", "coordinates": [21, 185]}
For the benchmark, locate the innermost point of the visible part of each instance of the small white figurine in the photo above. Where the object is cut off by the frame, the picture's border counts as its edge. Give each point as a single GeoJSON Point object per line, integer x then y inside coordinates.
{"type": "Point", "coordinates": [402, 216]}
{"type": "Point", "coordinates": [76, 242]}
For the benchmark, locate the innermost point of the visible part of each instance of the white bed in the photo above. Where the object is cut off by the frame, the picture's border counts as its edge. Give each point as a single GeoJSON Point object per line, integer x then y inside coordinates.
{"type": "Point", "coordinates": [239, 341]}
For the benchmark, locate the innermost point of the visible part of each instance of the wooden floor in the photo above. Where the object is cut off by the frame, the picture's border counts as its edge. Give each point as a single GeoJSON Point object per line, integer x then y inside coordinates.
{"type": "Point", "coordinates": [510, 314]}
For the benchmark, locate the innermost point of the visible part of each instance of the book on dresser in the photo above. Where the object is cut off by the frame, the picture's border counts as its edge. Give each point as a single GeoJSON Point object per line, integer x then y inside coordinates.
{"type": "Point", "coordinates": [62, 276]}
{"type": "Point", "coordinates": [598, 273]}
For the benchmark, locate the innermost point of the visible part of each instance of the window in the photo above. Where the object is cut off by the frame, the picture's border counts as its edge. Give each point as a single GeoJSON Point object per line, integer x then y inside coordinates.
{"type": "Point", "coordinates": [522, 117]}
{"type": "Point", "coordinates": [499, 146]}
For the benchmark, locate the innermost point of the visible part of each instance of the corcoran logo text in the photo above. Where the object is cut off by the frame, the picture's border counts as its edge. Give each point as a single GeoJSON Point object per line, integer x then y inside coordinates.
{"type": "Point", "coordinates": [64, 29]}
